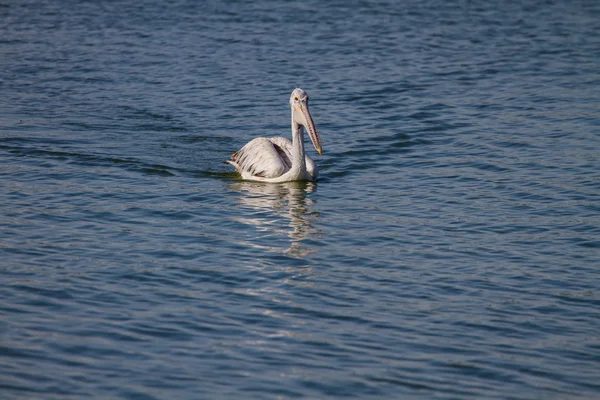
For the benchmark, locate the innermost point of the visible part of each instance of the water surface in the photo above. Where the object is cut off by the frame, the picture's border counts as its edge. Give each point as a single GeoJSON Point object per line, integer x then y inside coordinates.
{"type": "Point", "coordinates": [449, 250]}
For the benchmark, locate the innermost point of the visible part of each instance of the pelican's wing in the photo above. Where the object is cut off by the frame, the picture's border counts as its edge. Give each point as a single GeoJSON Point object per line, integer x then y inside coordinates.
{"type": "Point", "coordinates": [263, 158]}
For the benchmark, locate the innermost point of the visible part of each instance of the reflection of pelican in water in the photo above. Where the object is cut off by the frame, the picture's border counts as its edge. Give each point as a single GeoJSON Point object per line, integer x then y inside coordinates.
{"type": "Point", "coordinates": [284, 200]}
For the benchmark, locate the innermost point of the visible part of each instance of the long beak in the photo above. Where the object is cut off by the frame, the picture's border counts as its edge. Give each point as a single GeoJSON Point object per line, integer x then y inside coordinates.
{"type": "Point", "coordinates": [310, 127]}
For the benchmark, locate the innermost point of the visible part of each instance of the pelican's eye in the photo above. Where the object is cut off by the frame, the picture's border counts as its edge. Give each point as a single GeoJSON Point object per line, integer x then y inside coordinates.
{"type": "Point", "coordinates": [296, 98]}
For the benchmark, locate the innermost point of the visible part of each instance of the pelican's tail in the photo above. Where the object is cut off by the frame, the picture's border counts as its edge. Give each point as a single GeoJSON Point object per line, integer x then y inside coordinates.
{"type": "Point", "coordinates": [235, 165]}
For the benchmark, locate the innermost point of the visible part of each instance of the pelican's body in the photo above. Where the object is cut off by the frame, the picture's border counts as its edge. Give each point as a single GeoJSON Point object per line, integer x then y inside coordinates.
{"type": "Point", "coordinates": [277, 159]}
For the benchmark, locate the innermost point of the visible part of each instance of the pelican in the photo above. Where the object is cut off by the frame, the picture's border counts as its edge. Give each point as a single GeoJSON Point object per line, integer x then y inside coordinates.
{"type": "Point", "coordinates": [277, 159]}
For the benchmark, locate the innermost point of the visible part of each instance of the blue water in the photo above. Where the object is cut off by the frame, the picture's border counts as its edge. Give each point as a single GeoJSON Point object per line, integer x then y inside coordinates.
{"type": "Point", "coordinates": [450, 249]}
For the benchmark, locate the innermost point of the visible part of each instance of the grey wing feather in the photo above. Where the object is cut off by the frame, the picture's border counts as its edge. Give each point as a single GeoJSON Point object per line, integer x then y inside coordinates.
{"type": "Point", "coordinates": [263, 157]}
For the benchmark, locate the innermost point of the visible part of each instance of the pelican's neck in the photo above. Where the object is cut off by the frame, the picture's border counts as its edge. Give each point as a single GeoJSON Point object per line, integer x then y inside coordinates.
{"type": "Point", "coordinates": [298, 161]}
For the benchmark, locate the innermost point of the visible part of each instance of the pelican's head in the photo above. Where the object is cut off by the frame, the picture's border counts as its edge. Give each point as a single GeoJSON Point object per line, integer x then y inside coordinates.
{"type": "Point", "coordinates": [301, 116]}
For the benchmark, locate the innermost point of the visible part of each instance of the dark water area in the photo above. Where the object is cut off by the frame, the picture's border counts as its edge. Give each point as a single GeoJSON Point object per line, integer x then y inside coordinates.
{"type": "Point", "coordinates": [449, 250]}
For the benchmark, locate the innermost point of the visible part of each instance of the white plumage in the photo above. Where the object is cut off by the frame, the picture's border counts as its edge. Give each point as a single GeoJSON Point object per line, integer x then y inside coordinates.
{"type": "Point", "coordinates": [277, 159]}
